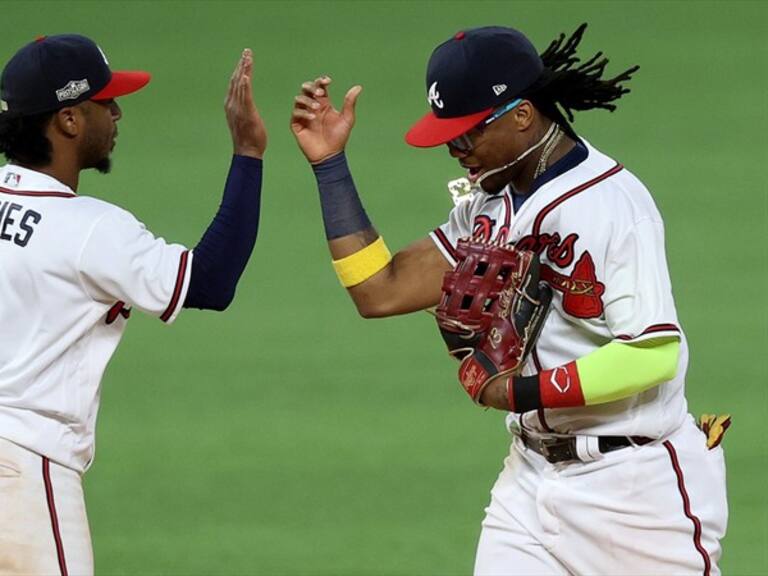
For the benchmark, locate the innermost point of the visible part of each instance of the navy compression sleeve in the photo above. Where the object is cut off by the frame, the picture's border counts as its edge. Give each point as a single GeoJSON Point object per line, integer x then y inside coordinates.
{"type": "Point", "coordinates": [343, 213]}
{"type": "Point", "coordinates": [222, 253]}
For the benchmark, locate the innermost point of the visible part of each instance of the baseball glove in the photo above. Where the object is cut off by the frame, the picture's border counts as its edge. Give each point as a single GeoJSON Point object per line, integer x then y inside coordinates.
{"type": "Point", "coordinates": [714, 427]}
{"type": "Point", "coordinates": [492, 310]}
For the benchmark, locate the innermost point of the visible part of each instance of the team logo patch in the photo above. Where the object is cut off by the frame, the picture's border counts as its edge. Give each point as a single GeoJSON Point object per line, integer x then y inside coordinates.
{"type": "Point", "coordinates": [73, 90]}
{"type": "Point", "coordinates": [582, 292]}
{"type": "Point", "coordinates": [499, 89]}
{"type": "Point", "coordinates": [433, 98]}
{"type": "Point", "coordinates": [12, 179]}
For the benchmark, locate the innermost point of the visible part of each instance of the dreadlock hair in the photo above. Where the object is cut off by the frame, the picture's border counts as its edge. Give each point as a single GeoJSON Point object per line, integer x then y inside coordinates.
{"type": "Point", "coordinates": [570, 85]}
{"type": "Point", "coordinates": [23, 140]}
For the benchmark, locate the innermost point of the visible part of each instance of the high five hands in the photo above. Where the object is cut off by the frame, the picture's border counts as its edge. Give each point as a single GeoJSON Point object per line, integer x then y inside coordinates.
{"type": "Point", "coordinates": [320, 130]}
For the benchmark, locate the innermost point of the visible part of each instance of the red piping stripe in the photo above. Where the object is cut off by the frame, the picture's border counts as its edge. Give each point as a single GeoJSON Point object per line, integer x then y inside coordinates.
{"type": "Point", "coordinates": [440, 235]}
{"type": "Point", "coordinates": [508, 206]}
{"type": "Point", "coordinates": [651, 330]}
{"type": "Point", "coordinates": [570, 194]}
{"type": "Point", "coordinates": [177, 290]}
{"type": "Point", "coordinates": [687, 506]}
{"type": "Point", "coordinates": [54, 517]}
{"type": "Point", "coordinates": [30, 193]}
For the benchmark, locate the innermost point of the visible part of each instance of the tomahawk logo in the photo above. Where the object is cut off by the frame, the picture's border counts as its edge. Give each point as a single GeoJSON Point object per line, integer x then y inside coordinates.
{"type": "Point", "coordinates": [499, 89]}
{"type": "Point", "coordinates": [73, 90]}
{"type": "Point", "coordinates": [433, 98]}
{"type": "Point", "coordinates": [560, 379]}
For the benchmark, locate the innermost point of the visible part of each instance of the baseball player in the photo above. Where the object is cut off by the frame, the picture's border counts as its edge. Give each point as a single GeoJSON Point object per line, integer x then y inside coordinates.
{"type": "Point", "coordinates": [72, 271]}
{"type": "Point", "coordinates": [607, 473]}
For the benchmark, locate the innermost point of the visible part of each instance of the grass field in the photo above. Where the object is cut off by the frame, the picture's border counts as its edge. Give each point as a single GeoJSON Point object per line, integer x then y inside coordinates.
{"type": "Point", "coordinates": [288, 436]}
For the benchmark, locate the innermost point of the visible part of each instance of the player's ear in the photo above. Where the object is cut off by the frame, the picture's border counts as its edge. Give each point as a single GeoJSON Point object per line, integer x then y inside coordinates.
{"type": "Point", "coordinates": [523, 115]}
{"type": "Point", "coordinates": [68, 121]}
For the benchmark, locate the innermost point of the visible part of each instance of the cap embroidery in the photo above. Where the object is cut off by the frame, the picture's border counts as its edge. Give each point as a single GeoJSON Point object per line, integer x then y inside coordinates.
{"type": "Point", "coordinates": [499, 89]}
{"type": "Point", "coordinates": [73, 90]}
{"type": "Point", "coordinates": [434, 96]}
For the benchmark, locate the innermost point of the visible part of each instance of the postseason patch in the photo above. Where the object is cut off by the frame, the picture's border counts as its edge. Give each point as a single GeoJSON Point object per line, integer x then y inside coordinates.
{"type": "Point", "coordinates": [73, 90]}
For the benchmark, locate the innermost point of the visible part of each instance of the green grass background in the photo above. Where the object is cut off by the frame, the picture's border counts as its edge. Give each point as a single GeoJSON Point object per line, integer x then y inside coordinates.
{"type": "Point", "coordinates": [288, 436]}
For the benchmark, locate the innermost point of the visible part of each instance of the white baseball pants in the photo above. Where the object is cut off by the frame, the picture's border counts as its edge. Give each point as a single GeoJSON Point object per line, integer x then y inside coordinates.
{"type": "Point", "coordinates": [43, 523]}
{"type": "Point", "coordinates": [658, 509]}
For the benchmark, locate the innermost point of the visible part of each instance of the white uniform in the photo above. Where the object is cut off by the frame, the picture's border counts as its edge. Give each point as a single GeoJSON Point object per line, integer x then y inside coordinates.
{"type": "Point", "coordinates": [656, 509]}
{"type": "Point", "coordinates": [71, 270]}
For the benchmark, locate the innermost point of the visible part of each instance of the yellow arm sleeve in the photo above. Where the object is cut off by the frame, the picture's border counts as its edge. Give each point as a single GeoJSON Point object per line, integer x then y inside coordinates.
{"type": "Point", "coordinates": [619, 370]}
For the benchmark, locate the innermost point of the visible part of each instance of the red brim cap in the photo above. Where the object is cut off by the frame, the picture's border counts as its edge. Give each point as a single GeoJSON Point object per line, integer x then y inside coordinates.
{"type": "Point", "coordinates": [123, 83]}
{"type": "Point", "coordinates": [433, 131]}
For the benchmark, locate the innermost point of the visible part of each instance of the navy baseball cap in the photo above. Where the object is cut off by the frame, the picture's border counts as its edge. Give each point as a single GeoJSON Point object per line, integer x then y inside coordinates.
{"type": "Point", "coordinates": [469, 76]}
{"type": "Point", "coordinates": [57, 71]}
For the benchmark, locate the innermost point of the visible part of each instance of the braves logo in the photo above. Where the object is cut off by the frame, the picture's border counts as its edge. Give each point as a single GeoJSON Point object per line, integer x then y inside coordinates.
{"type": "Point", "coordinates": [582, 291]}
{"type": "Point", "coordinates": [433, 98]}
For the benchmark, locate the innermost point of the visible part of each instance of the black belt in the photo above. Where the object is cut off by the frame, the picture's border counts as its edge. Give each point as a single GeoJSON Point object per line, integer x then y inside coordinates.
{"type": "Point", "coordinates": [563, 449]}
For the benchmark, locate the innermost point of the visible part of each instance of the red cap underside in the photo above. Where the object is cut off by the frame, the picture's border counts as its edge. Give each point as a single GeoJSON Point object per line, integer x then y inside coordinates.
{"type": "Point", "coordinates": [123, 83]}
{"type": "Point", "coordinates": [433, 131]}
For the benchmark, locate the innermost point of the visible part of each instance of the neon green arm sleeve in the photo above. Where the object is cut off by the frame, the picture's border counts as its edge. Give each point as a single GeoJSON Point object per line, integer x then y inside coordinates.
{"type": "Point", "coordinates": [618, 370]}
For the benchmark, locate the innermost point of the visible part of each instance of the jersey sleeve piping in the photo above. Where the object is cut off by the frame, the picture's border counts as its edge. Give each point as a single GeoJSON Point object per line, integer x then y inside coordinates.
{"type": "Point", "coordinates": [179, 291]}
{"type": "Point", "coordinates": [654, 331]}
{"type": "Point", "coordinates": [51, 194]}
{"type": "Point", "coordinates": [444, 245]}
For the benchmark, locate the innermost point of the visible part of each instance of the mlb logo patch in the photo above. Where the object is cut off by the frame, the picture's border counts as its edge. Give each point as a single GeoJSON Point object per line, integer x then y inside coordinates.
{"type": "Point", "coordinates": [12, 179]}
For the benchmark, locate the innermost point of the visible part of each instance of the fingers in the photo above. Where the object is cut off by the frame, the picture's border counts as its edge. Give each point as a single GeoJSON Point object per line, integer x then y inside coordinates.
{"type": "Point", "coordinates": [240, 76]}
{"type": "Point", "coordinates": [317, 88]}
{"type": "Point", "coordinates": [305, 102]}
{"type": "Point", "coordinates": [350, 100]}
{"type": "Point", "coordinates": [236, 72]}
{"type": "Point", "coordinates": [300, 114]}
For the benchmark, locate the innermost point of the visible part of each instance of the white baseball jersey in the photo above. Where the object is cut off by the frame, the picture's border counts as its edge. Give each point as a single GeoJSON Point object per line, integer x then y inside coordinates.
{"type": "Point", "coordinates": [71, 270]}
{"type": "Point", "coordinates": [601, 240]}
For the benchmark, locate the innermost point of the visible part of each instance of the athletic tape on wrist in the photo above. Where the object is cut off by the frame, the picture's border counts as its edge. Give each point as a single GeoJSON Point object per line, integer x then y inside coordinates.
{"type": "Point", "coordinates": [358, 267]}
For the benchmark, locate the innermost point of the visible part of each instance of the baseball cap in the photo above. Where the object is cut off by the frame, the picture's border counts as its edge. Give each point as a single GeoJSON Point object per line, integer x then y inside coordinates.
{"type": "Point", "coordinates": [468, 76]}
{"type": "Point", "coordinates": [62, 70]}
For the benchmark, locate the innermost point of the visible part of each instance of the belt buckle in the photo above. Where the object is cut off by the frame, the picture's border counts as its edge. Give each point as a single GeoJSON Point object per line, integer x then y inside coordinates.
{"type": "Point", "coordinates": [546, 443]}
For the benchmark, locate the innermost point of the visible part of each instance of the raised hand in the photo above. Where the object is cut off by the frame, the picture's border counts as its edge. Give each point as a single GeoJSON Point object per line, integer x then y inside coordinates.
{"type": "Point", "coordinates": [249, 136]}
{"type": "Point", "coordinates": [320, 130]}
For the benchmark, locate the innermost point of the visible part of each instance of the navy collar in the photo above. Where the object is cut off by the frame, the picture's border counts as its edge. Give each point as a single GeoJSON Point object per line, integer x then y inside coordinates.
{"type": "Point", "coordinates": [573, 158]}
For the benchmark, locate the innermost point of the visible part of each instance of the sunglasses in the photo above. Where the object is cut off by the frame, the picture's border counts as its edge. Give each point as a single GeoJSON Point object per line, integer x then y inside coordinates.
{"type": "Point", "coordinates": [464, 142]}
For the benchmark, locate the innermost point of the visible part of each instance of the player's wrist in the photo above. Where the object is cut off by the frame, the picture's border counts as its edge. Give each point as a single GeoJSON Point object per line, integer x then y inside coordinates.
{"type": "Point", "coordinates": [326, 157]}
{"type": "Point", "coordinates": [249, 152]}
{"type": "Point", "coordinates": [556, 388]}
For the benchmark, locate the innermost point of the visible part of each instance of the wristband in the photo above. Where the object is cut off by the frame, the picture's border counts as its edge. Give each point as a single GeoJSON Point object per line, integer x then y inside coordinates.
{"type": "Point", "coordinates": [358, 267]}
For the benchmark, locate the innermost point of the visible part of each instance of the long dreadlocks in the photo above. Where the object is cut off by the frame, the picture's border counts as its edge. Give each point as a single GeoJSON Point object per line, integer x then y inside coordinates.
{"type": "Point", "coordinates": [568, 85]}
